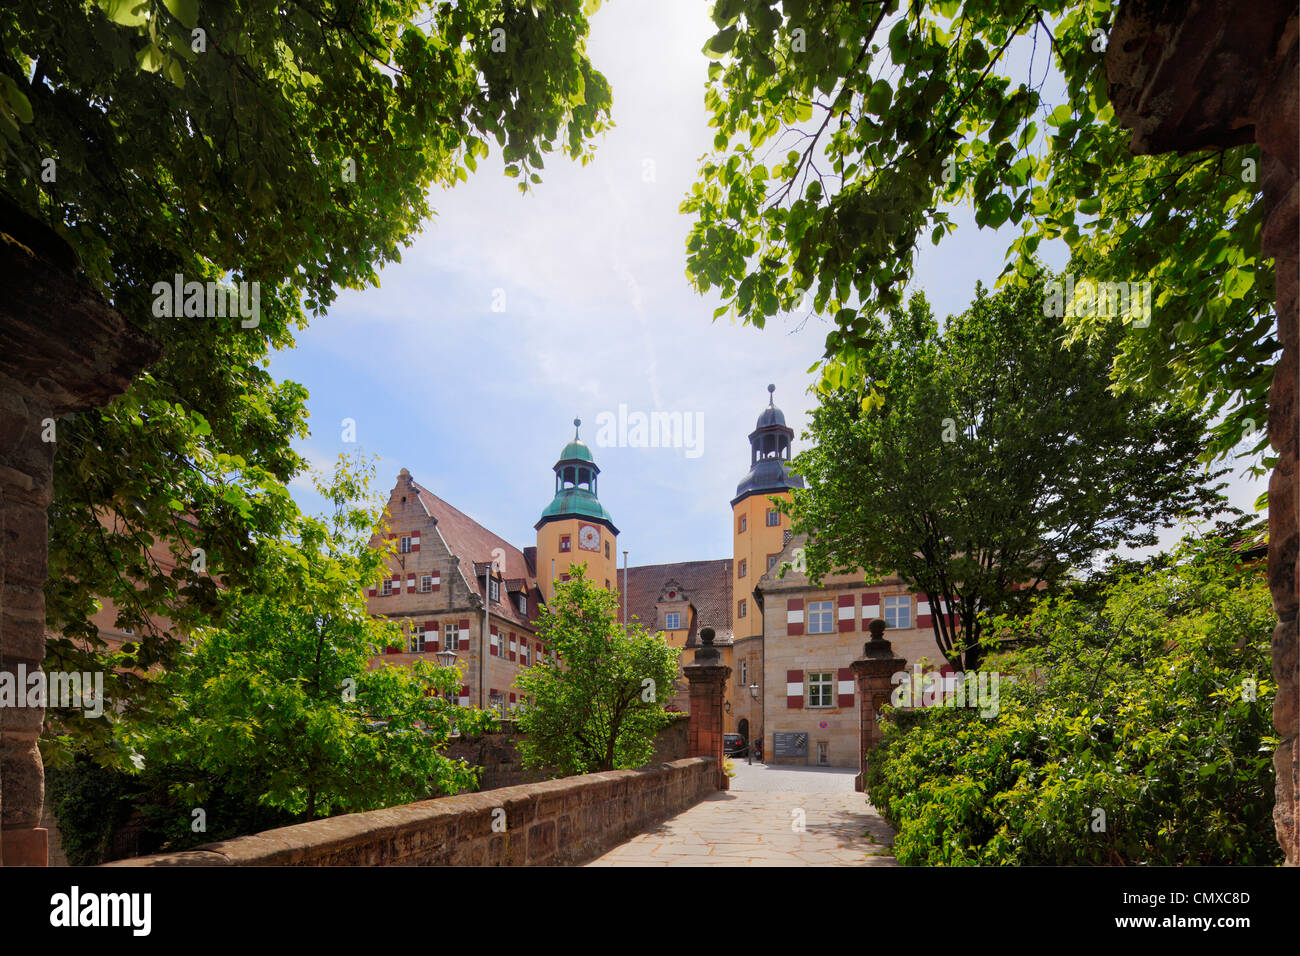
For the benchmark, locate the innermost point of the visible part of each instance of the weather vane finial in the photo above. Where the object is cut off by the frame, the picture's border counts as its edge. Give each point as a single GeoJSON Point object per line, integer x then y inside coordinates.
{"type": "Point", "coordinates": [771, 390]}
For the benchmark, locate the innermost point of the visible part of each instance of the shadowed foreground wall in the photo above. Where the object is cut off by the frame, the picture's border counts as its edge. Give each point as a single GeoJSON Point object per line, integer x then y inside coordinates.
{"type": "Point", "coordinates": [552, 823]}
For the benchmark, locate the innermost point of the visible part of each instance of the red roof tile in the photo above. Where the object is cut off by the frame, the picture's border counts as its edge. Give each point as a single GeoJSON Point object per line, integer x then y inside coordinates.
{"type": "Point", "coordinates": [474, 544]}
{"type": "Point", "coordinates": [706, 585]}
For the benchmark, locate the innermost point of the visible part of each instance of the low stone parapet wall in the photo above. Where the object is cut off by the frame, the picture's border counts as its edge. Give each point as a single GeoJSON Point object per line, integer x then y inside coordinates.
{"type": "Point", "coordinates": [551, 823]}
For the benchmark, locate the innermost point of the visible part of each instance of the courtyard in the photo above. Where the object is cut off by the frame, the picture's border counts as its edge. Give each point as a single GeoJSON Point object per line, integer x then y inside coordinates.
{"type": "Point", "coordinates": [771, 816]}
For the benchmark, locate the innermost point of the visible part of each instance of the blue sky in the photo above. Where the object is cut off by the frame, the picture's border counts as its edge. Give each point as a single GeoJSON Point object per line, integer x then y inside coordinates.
{"type": "Point", "coordinates": [597, 312]}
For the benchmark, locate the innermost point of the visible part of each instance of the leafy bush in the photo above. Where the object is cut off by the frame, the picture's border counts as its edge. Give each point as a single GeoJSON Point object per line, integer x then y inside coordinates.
{"type": "Point", "coordinates": [107, 814]}
{"type": "Point", "coordinates": [1150, 703]}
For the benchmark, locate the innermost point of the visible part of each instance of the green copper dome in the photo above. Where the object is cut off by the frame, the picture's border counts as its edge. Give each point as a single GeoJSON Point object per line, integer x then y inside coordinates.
{"type": "Point", "coordinates": [576, 502]}
{"type": "Point", "coordinates": [576, 451]}
{"type": "Point", "coordinates": [575, 486]}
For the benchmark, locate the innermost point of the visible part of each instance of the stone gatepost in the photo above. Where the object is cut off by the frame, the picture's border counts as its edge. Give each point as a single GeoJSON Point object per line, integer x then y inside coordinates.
{"type": "Point", "coordinates": [62, 350]}
{"type": "Point", "coordinates": [873, 675]}
{"type": "Point", "coordinates": [708, 680]}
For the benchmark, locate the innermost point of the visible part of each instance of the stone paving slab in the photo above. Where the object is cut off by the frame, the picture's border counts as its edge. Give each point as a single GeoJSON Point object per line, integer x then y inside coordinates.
{"type": "Point", "coordinates": [757, 827]}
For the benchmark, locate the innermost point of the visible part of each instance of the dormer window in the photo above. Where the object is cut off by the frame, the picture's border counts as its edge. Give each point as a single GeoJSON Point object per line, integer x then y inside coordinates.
{"type": "Point", "coordinates": [494, 590]}
{"type": "Point", "coordinates": [523, 604]}
{"type": "Point", "coordinates": [673, 621]}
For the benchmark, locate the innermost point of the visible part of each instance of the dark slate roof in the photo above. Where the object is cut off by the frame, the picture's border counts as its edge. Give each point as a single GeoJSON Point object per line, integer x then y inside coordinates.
{"type": "Point", "coordinates": [473, 544]}
{"type": "Point", "coordinates": [767, 476]}
{"type": "Point", "coordinates": [706, 585]}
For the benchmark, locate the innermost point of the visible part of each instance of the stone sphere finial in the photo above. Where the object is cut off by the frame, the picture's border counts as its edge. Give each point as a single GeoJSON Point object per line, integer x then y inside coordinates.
{"type": "Point", "coordinates": [877, 629]}
{"type": "Point", "coordinates": [771, 393]}
{"type": "Point", "coordinates": [706, 653]}
{"type": "Point", "coordinates": [577, 423]}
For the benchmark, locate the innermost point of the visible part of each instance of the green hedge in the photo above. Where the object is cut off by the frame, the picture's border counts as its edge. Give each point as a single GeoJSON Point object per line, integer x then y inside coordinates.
{"type": "Point", "coordinates": [1151, 703]}
{"type": "Point", "coordinates": [106, 814]}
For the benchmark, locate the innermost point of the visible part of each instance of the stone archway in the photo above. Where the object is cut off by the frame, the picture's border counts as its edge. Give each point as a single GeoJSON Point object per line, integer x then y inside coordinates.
{"type": "Point", "coordinates": [62, 350]}
{"type": "Point", "coordinates": [1204, 74]}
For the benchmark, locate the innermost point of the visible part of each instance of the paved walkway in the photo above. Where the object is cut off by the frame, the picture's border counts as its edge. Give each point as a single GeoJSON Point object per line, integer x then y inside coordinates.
{"type": "Point", "coordinates": [771, 816]}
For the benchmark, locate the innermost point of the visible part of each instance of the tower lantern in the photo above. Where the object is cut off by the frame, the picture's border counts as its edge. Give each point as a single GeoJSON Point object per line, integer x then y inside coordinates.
{"type": "Point", "coordinates": [575, 528]}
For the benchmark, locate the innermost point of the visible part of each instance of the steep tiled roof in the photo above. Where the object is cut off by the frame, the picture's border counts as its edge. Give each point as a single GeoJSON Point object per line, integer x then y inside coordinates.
{"type": "Point", "coordinates": [705, 584]}
{"type": "Point", "coordinates": [474, 544]}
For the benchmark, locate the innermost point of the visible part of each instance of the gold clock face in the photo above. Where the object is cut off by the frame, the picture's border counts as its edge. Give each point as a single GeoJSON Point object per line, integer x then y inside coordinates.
{"type": "Point", "coordinates": [589, 537]}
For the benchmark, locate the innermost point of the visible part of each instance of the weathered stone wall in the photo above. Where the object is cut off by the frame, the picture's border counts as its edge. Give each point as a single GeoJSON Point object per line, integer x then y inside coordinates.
{"type": "Point", "coordinates": [62, 349]}
{"type": "Point", "coordinates": [553, 823]}
{"type": "Point", "coordinates": [1204, 74]}
{"type": "Point", "coordinates": [501, 762]}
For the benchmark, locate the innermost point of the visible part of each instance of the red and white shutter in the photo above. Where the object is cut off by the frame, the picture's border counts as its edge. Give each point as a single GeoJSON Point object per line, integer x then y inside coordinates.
{"type": "Point", "coordinates": [437, 579]}
{"type": "Point", "coordinates": [493, 641]}
{"type": "Point", "coordinates": [844, 687]}
{"type": "Point", "coordinates": [794, 620]}
{"type": "Point", "coordinates": [794, 690]}
{"type": "Point", "coordinates": [923, 616]}
{"type": "Point", "coordinates": [512, 698]}
{"type": "Point", "coordinates": [870, 607]}
{"type": "Point", "coordinates": [848, 611]}
{"type": "Point", "coordinates": [431, 635]}
{"type": "Point", "coordinates": [523, 649]}
{"type": "Point", "coordinates": [397, 584]}
{"type": "Point", "coordinates": [464, 634]}
{"type": "Point", "coordinates": [410, 583]}
{"type": "Point", "coordinates": [513, 646]}
{"type": "Point", "coordinates": [373, 592]}
{"type": "Point", "coordinates": [415, 541]}
{"type": "Point", "coordinates": [463, 700]}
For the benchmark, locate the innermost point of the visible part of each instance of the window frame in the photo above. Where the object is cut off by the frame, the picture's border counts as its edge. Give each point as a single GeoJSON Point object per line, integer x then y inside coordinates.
{"type": "Point", "coordinates": [823, 681]}
{"type": "Point", "coordinates": [773, 518]}
{"type": "Point", "coordinates": [426, 579]}
{"type": "Point", "coordinates": [672, 620]}
{"type": "Point", "coordinates": [494, 590]}
{"type": "Point", "coordinates": [417, 634]}
{"type": "Point", "coordinates": [742, 608]}
{"type": "Point", "coordinates": [386, 588]}
{"type": "Point", "coordinates": [820, 612]}
{"type": "Point", "coordinates": [404, 544]}
{"type": "Point", "coordinates": [900, 602]}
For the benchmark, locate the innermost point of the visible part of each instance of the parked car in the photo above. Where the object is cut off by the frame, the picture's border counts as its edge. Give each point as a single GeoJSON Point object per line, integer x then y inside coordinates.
{"type": "Point", "coordinates": [734, 745]}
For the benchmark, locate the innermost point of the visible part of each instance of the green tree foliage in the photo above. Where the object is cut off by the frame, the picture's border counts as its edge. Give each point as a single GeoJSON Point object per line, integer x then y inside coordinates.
{"type": "Point", "coordinates": [1151, 704]}
{"type": "Point", "coordinates": [847, 132]}
{"type": "Point", "coordinates": [987, 455]}
{"type": "Point", "coordinates": [600, 707]}
{"type": "Point", "coordinates": [279, 704]}
{"type": "Point", "coordinates": [292, 145]}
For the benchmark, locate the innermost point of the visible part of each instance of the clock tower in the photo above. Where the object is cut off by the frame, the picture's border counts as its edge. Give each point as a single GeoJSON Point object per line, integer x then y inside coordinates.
{"type": "Point", "coordinates": [575, 528]}
{"type": "Point", "coordinates": [758, 529]}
